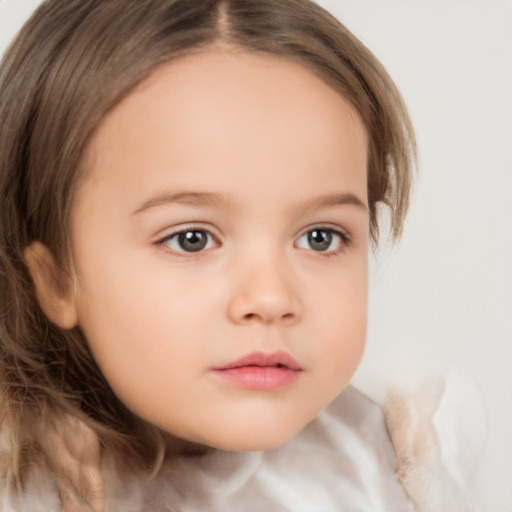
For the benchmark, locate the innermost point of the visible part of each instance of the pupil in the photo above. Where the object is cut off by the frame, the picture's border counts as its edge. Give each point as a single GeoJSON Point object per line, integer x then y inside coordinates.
{"type": "Point", "coordinates": [319, 240]}
{"type": "Point", "coordinates": [192, 241]}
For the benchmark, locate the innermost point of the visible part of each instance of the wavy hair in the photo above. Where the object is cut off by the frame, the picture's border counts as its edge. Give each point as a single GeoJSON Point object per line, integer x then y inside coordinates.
{"type": "Point", "coordinates": [72, 62]}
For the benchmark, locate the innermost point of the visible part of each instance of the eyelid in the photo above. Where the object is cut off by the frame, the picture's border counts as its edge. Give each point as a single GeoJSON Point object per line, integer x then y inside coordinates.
{"type": "Point", "coordinates": [345, 233]}
{"type": "Point", "coordinates": [346, 237]}
{"type": "Point", "coordinates": [184, 228]}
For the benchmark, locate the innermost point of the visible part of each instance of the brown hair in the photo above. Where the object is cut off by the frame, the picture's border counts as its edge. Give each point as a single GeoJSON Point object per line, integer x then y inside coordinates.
{"type": "Point", "coordinates": [73, 61]}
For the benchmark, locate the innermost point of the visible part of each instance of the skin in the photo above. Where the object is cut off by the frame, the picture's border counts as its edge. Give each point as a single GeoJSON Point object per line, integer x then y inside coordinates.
{"type": "Point", "coordinates": [276, 153]}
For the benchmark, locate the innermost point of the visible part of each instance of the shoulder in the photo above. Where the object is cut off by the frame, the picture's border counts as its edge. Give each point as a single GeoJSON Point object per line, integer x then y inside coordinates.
{"type": "Point", "coordinates": [39, 495]}
{"type": "Point", "coordinates": [431, 435]}
{"type": "Point", "coordinates": [438, 431]}
{"type": "Point", "coordinates": [355, 420]}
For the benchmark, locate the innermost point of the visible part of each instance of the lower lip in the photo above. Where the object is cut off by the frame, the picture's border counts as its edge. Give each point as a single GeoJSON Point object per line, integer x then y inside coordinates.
{"type": "Point", "coordinates": [263, 378]}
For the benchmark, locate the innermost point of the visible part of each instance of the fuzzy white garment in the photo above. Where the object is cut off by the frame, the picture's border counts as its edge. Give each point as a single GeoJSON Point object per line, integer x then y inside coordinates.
{"type": "Point", "coordinates": [344, 461]}
{"type": "Point", "coordinates": [439, 433]}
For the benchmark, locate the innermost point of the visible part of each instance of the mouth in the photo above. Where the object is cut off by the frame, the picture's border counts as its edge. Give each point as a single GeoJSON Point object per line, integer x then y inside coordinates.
{"type": "Point", "coordinates": [261, 371]}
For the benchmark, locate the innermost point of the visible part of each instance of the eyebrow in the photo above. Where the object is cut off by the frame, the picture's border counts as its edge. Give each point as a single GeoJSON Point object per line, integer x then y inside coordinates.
{"type": "Point", "coordinates": [336, 199]}
{"type": "Point", "coordinates": [185, 198]}
{"type": "Point", "coordinates": [211, 199]}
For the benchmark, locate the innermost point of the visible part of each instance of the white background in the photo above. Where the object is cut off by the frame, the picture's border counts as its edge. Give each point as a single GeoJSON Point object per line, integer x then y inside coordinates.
{"type": "Point", "coordinates": [443, 297]}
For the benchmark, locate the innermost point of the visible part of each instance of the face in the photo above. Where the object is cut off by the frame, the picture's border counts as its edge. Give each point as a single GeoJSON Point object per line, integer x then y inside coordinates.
{"type": "Point", "coordinates": [220, 241]}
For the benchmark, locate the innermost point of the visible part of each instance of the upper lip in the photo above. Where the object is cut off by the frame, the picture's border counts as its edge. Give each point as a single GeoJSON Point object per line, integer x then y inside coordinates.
{"type": "Point", "coordinates": [263, 359]}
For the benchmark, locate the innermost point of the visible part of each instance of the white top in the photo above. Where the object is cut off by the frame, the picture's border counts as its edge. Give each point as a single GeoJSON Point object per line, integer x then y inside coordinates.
{"type": "Point", "coordinates": [415, 457]}
{"type": "Point", "coordinates": [342, 461]}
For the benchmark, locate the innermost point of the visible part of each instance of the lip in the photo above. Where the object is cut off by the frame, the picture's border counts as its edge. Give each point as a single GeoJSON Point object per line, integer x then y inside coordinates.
{"type": "Point", "coordinates": [261, 371]}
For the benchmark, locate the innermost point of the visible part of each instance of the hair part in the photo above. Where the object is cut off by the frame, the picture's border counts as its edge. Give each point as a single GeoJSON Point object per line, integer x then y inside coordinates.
{"type": "Point", "coordinates": [72, 62]}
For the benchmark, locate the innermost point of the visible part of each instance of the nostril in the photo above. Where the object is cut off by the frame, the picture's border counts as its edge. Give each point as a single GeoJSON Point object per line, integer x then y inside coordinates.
{"type": "Point", "coordinates": [248, 317]}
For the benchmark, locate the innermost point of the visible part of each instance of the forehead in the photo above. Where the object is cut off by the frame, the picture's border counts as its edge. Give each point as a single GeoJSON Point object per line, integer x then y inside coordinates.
{"type": "Point", "coordinates": [227, 113]}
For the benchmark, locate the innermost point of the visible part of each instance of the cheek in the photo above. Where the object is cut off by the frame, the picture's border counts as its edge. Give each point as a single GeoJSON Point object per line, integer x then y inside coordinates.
{"type": "Point", "coordinates": [138, 324]}
{"type": "Point", "coordinates": [341, 310]}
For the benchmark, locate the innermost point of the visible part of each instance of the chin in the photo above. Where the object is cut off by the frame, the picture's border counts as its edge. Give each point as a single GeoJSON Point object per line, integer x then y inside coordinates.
{"type": "Point", "coordinates": [250, 445]}
{"type": "Point", "coordinates": [254, 439]}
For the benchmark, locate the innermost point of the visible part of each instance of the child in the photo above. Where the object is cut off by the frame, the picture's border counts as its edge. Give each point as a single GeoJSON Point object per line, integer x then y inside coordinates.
{"type": "Point", "coordinates": [188, 190]}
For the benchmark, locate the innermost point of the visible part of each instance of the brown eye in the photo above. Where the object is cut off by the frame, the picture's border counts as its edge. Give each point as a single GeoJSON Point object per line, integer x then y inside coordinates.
{"type": "Point", "coordinates": [191, 240]}
{"type": "Point", "coordinates": [320, 239]}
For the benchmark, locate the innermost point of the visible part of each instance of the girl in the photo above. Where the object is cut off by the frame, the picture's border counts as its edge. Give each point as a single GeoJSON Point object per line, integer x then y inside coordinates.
{"type": "Point", "coordinates": [188, 190]}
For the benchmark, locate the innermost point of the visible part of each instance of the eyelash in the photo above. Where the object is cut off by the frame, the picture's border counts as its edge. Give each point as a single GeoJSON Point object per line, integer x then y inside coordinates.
{"type": "Point", "coordinates": [163, 242]}
{"type": "Point", "coordinates": [345, 240]}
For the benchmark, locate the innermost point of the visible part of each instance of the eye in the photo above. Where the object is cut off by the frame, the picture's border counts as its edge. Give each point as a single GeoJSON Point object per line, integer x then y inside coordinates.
{"type": "Point", "coordinates": [190, 240]}
{"type": "Point", "coordinates": [323, 240]}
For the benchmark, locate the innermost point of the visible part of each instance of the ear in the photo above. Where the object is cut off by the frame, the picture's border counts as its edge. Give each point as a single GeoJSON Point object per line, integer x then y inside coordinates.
{"type": "Point", "coordinates": [56, 300]}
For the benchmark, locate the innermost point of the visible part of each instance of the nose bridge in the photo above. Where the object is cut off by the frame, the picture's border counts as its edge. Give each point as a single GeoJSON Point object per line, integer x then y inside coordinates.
{"type": "Point", "coordinates": [264, 289]}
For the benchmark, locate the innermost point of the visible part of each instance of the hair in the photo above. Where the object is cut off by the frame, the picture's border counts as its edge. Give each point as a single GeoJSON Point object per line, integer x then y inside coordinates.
{"type": "Point", "coordinates": [72, 62]}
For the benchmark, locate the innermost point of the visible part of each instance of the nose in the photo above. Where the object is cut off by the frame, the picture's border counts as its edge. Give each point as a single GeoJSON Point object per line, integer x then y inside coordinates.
{"type": "Point", "coordinates": [265, 293]}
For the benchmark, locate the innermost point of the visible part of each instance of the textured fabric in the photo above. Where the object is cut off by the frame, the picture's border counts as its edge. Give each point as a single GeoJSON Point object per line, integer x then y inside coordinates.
{"type": "Point", "coordinates": [342, 461]}
{"type": "Point", "coordinates": [439, 432]}
{"type": "Point", "coordinates": [417, 456]}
